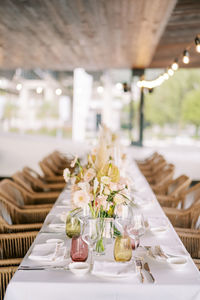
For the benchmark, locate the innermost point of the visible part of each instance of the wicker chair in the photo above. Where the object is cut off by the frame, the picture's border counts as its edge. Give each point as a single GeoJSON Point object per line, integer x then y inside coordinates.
{"type": "Point", "coordinates": [148, 160]}
{"type": "Point", "coordinates": [157, 167]}
{"type": "Point", "coordinates": [37, 197]}
{"type": "Point", "coordinates": [149, 166]}
{"type": "Point", "coordinates": [12, 248]}
{"type": "Point", "coordinates": [184, 218]}
{"type": "Point", "coordinates": [49, 174]}
{"type": "Point", "coordinates": [7, 225]}
{"type": "Point", "coordinates": [6, 273]}
{"type": "Point", "coordinates": [60, 160]}
{"type": "Point", "coordinates": [191, 240]}
{"type": "Point", "coordinates": [11, 191]}
{"type": "Point", "coordinates": [160, 181]}
{"type": "Point", "coordinates": [171, 195]}
{"type": "Point", "coordinates": [24, 215]}
{"type": "Point", "coordinates": [39, 184]}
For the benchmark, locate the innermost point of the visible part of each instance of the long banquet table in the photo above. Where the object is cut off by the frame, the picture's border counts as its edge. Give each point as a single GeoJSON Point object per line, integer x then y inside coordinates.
{"type": "Point", "coordinates": [171, 283]}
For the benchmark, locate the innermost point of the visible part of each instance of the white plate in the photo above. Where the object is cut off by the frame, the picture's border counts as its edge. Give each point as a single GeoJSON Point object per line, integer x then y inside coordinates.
{"type": "Point", "coordinates": [177, 262]}
{"type": "Point", "coordinates": [79, 268]}
{"type": "Point", "coordinates": [54, 241]}
{"type": "Point", "coordinates": [158, 225]}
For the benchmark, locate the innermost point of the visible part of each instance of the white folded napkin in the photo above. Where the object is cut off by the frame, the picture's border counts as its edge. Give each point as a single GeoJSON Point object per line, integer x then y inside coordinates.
{"type": "Point", "coordinates": [157, 224]}
{"type": "Point", "coordinates": [47, 252]}
{"type": "Point", "coordinates": [113, 269]}
{"type": "Point", "coordinates": [60, 227]}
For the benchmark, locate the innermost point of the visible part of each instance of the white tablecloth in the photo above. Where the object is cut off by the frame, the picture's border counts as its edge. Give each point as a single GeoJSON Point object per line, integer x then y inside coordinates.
{"type": "Point", "coordinates": [182, 283]}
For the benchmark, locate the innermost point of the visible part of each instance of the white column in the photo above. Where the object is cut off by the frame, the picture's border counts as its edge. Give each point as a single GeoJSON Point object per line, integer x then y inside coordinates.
{"type": "Point", "coordinates": [81, 97]}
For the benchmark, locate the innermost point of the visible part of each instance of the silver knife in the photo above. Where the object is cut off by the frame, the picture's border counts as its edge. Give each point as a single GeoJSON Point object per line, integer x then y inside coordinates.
{"type": "Point", "coordinates": [146, 267]}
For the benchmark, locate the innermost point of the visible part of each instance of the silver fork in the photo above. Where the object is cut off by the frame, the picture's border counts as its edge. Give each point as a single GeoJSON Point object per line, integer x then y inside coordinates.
{"type": "Point", "coordinates": [138, 263]}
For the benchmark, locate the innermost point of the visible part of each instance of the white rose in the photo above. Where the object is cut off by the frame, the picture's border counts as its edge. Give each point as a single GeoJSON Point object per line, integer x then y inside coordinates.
{"type": "Point", "coordinates": [89, 175]}
{"type": "Point", "coordinates": [84, 186]}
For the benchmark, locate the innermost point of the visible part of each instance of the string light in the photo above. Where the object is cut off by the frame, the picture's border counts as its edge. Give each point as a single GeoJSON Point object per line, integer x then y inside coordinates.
{"type": "Point", "coordinates": [19, 87]}
{"type": "Point", "coordinates": [166, 76]}
{"type": "Point", "coordinates": [186, 58]}
{"type": "Point", "coordinates": [100, 89]}
{"type": "Point", "coordinates": [39, 90]}
{"type": "Point", "coordinates": [58, 92]}
{"type": "Point", "coordinates": [175, 65]}
{"type": "Point", "coordinates": [149, 84]}
{"type": "Point", "coordinates": [197, 42]}
{"type": "Point", "coordinates": [170, 72]}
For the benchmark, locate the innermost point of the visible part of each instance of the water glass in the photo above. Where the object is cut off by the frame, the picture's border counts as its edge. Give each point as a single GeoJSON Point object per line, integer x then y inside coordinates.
{"type": "Point", "coordinates": [91, 234]}
{"type": "Point", "coordinates": [123, 249]}
{"type": "Point", "coordinates": [73, 226]}
{"type": "Point", "coordinates": [79, 250]}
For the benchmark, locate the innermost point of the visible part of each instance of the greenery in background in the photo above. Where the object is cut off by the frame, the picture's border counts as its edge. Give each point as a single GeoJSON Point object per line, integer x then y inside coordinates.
{"type": "Point", "coordinates": [176, 101]}
{"type": "Point", "coordinates": [48, 109]}
{"type": "Point", "coordinates": [191, 108]}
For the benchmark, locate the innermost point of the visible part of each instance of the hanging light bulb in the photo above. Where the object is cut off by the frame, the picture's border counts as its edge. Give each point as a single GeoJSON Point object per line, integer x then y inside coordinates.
{"type": "Point", "coordinates": [170, 72]}
{"type": "Point", "coordinates": [166, 76]}
{"type": "Point", "coordinates": [186, 57]}
{"type": "Point", "coordinates": [175, 65]}
{"type": "Point", "coordinates": [139, 84]}
{"type": "Point", "coordinates": [197, 42]}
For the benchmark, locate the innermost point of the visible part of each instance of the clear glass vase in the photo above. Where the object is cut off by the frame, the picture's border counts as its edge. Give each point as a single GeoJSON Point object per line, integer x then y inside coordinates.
{"type": "Point", "coordinates": [106, 235]}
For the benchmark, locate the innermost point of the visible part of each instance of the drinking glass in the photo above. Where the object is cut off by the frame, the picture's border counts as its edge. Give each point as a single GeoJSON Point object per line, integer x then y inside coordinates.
{"type": "Point", "coordinates": [123, 248]}
{"type": "Point", "coordinates": [138, 223]}
{"type": "Point", "coordinates": [134, 235]}
{"type": "Point", "coordinates": [90, 234]}
{"type": "Point", "coordinates": [79, 249]}
{"type": "Point", "coordinates": [73, 226]}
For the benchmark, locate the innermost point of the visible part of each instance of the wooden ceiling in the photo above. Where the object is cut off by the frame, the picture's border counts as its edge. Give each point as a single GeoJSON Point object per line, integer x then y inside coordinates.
{"type": "Point", "coordinates": [94, 34]}
{"type": "Point", "coordinates": [182, 27]}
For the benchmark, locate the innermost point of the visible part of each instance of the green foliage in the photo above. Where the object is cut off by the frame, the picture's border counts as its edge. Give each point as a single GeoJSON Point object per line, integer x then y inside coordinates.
{"type": "Point", "coordinates": [164, 105]}
{"type": "Point", "coordinates": [48, 109]}
{"type": "Point", "coordinates": [191, 108]}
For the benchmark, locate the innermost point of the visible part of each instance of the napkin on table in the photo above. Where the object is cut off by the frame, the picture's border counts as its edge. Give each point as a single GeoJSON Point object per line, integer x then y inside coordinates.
{"type": "Point", "coordinates": [106, 268]}
{"type": "Point", "coordinates": [47, 252]}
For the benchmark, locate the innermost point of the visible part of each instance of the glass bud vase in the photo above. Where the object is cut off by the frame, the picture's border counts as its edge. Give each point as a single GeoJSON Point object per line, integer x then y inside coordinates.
{"type": "Point", "coordinates": [122, 248]}
{"type": "Point", "coordinates": [106, 234]}
{"type": "Point", "coordinates": [79, 250]}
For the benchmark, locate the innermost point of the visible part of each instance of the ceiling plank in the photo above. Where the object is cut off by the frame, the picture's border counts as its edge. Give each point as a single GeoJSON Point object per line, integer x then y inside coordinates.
{"type": "Point", "coordinates": [94, 34]}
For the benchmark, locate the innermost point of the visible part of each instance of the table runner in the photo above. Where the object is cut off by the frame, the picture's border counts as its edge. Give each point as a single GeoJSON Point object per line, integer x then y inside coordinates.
{"type": "Point", "coordinates": [181, 283]}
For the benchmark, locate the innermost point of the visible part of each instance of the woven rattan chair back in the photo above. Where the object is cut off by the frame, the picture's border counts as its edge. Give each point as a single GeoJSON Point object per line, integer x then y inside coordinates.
{"type": "Point", "coordinates": [9, 190]}
{"type": "Point", "coordinates": [6, 273]}
{"type": "Point", "coordinates": [36, 183]}
{"type": "Point", "coordinates": [190, 196]}
{"type": "Point", "coordinates": [23, 181]}
{"type": "Point", "coordinates": [178, 185]}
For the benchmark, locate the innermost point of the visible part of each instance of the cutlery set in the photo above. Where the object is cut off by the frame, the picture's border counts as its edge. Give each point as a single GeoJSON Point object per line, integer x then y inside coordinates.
{"type": "Point", "coordinates": [144, 267]}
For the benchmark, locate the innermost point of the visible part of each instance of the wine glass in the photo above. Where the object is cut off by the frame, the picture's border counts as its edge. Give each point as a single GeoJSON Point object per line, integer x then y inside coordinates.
{"type": "Point", "coordinates": [91, 234]}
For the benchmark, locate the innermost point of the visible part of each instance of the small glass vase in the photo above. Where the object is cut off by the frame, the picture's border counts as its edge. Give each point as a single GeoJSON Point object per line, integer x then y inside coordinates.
{"type": "Point", "coordinates": [106, 235]}
{"type": "Point", "coordinates": [79, 250]}
{"type": "Point", "coordinates": [123, 249]}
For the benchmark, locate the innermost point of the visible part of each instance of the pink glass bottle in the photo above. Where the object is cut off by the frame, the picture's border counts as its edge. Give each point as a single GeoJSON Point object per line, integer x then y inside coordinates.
{"type": "Point", "coordinates": [79, 250]}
